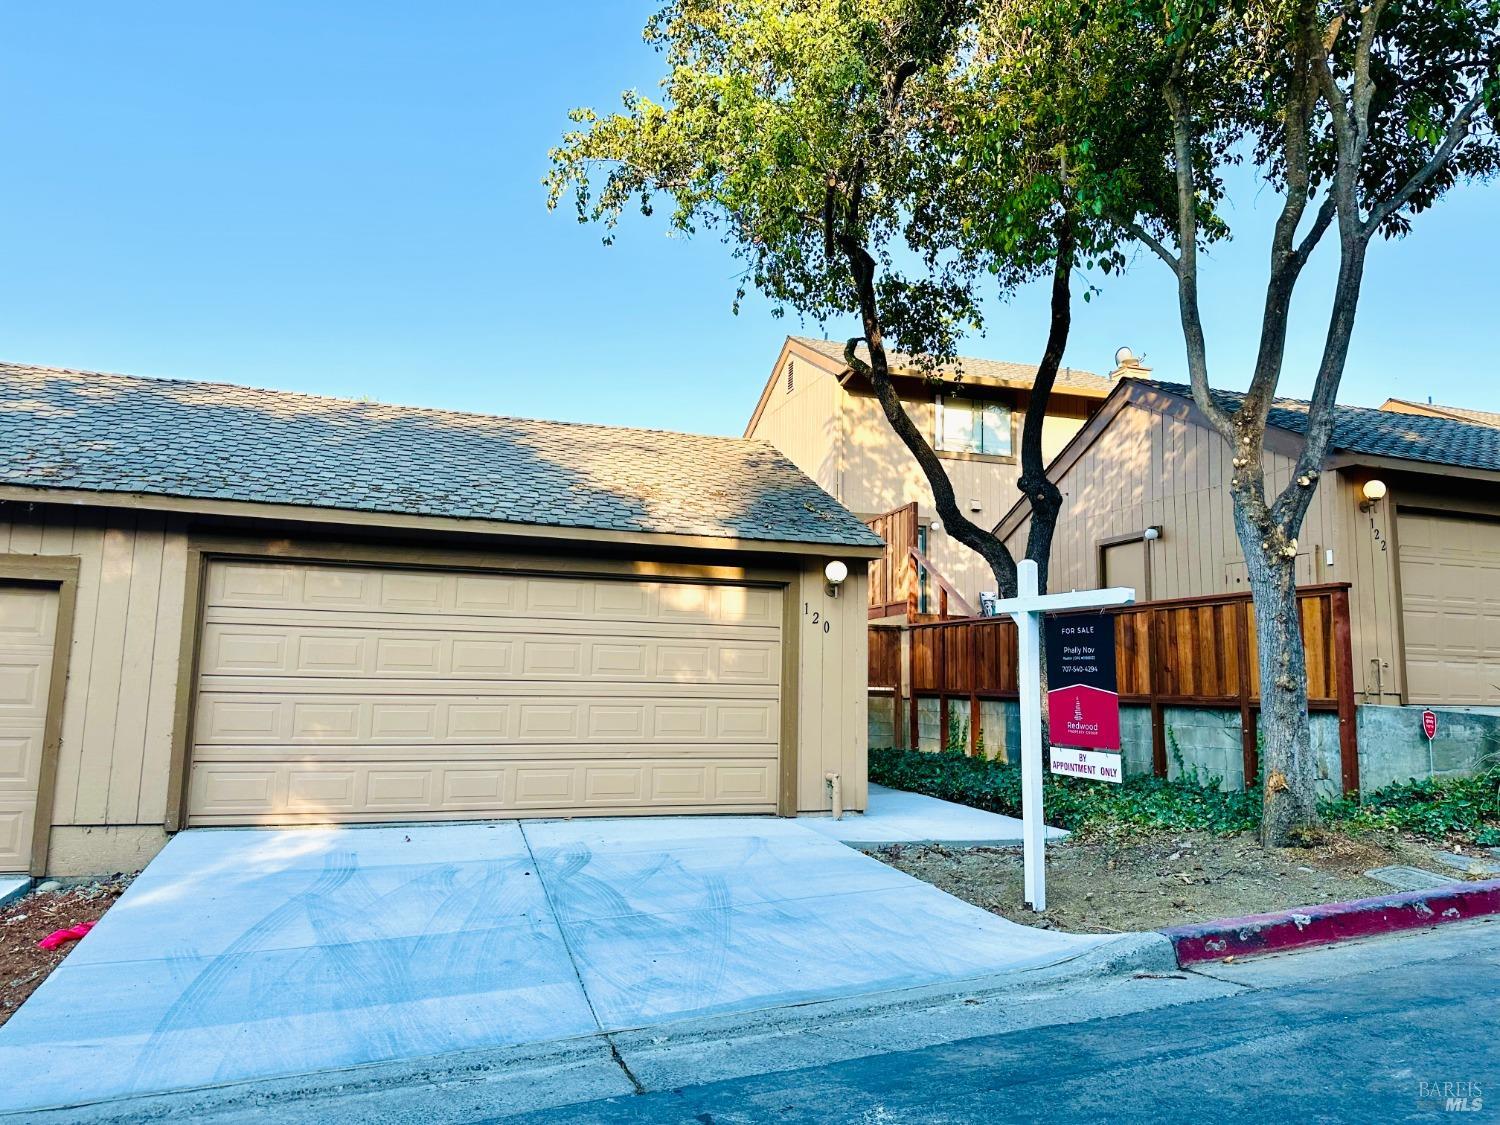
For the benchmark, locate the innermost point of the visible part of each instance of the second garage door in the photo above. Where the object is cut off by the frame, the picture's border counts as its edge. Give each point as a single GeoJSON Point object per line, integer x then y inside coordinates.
{"type": "Point", "coordinates": [1450, 595]}
{"type": "Point", "coordinates": [334, 693]}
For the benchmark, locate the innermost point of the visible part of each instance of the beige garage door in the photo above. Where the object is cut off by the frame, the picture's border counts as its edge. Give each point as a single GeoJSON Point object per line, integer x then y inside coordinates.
{"type": "Point", "coordinates": [332, 693]}
{"type": "Point", "coordinates": [28, 630]}
{"type": "Point", "coordinates": [1450, 593]}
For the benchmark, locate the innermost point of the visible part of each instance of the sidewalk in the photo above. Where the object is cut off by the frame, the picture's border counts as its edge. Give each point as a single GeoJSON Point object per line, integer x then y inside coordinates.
{"type": "Point", "coordinates": [897, 817]}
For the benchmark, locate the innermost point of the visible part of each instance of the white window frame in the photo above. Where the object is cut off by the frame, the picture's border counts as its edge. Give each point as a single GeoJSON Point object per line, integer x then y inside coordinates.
{"type": "Point", "coordinates": [977, 410]}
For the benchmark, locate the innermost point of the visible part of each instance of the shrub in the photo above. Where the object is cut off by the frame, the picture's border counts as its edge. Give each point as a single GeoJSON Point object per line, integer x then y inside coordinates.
{"type": "Point", "coordinates": [1459, 808]}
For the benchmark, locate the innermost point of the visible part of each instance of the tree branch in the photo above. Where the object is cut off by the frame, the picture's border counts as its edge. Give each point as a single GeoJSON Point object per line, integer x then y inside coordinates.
{"type": "Point", "coordinates": [1187, 263]}
{"type": "Point", "coordinates": [979, 540]}
{"type": "Point", "coordinates": [1457, 133]}
{"type": "Point", "coordinates": [1321, 222]}
{"type": "Point", "coordinates": [1286, 261]}
{"type": "Point", "coordinates": [1141, 234]}
{"type": "Point", "coordinates": [1040, 490]}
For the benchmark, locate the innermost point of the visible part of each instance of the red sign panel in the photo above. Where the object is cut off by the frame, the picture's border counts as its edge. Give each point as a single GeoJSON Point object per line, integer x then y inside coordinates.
{"type": "Point", "coordinates": [1084, 717]}
{"type": "Point", "coordinates": [1083, 706]}
{"type": "Point", "coordinates": [1429, 724]}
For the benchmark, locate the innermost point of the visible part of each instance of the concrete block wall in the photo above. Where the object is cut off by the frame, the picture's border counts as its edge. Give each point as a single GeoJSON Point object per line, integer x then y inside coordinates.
{"type": "Point", "coordinates": [1135, 739]}
{"type": "Point", "coordinates": [930, 733]}
{"type": "Point", "coordinates": [1393, 747]}
{"type": "Point", "coordinates": [882, 719]}
{"type": "Point", "coordinates": [1203, 742]}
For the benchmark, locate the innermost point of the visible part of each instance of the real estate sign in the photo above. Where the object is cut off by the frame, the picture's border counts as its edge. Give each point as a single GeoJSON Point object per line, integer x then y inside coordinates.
{"type": "Point", "coordinates": [1100, 765]}
{"type": "Point", "coordinates": [1083, 702]}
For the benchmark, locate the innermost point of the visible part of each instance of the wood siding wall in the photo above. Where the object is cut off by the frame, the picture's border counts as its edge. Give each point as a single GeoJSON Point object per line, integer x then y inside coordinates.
{"type": "Point", "coordinates": [804, 423]}
{"type": "Point", "coordinates": [120, 701]}
{"type": "Point", "coordinates": [1149, 469]}
{"type": "Point", "coordinates": [122, 679]}
{"type": "Point", "coordinates": [833, 727]}
{"type": "Point", "coordinates": [880, 474]}
{"type": "Point", "coordinates": [1366, 558]}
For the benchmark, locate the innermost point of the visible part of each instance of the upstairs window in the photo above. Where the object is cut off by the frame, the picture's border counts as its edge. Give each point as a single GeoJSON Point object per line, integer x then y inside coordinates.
{"type": "Point", "coordinates": [966, 425]}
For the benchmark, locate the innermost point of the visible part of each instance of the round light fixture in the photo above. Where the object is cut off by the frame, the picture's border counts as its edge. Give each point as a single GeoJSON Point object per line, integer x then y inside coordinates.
{"type": "Point", "coordinates": [1374, 490]}
{"type": "Point", "coordinates": [1151, 533]}
{"type": "Point", "coordinates": [835, 572]}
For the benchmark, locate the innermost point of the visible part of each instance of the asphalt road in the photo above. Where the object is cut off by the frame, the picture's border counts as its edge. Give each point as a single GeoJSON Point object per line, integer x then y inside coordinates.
{"type": "Point", "coordinates": [1384, 1031]}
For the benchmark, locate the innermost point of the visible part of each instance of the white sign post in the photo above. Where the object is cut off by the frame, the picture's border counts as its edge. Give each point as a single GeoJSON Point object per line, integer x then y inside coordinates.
{"type": "Point", "coordinates": [1027, 609]}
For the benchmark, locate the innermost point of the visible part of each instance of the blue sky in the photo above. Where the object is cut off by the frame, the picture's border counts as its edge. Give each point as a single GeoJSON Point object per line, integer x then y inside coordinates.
{"type": "Point", "coordinates": [345, 198]}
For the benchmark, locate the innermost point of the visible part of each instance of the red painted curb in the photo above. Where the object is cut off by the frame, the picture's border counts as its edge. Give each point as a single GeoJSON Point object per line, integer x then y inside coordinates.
{"type": "Point", "coordinates": [1332, 922]}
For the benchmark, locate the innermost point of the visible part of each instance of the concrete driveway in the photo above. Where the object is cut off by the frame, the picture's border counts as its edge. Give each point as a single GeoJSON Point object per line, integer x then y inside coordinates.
{"type": "Point", "coordinates": [250, 953]}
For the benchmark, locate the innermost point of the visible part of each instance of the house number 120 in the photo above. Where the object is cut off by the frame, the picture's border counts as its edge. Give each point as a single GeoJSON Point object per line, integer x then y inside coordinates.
{"type": "Point", "coordinates": [816, 617]}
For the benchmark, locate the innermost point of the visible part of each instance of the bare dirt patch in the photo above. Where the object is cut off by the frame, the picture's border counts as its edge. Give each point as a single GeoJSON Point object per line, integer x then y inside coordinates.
{"type": "Point", "coordinates": [1149, 880]}
{"type": "Point", "coordinates": [24, 923]}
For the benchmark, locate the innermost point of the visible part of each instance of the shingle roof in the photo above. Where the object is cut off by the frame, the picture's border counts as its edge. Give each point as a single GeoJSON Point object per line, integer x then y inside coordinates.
{"type": "Point", "coordinates": [213, 441]}
{"type": "Point", "coordinates": [1018, 374]}
{"type": "Point", "coordinates": [1436, 410]}
{"type": "Point", "coordinates": [1382, 433]}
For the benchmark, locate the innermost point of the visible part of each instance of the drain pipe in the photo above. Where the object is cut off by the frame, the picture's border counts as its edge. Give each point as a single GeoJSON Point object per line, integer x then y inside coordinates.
{"type": "Point", "coordinates": [835, 794]}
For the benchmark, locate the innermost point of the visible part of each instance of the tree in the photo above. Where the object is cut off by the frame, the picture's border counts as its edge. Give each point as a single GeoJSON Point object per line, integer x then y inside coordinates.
{"type": "Point", "coordinates": [886, 158]}
{"type": "Point", "coordinates": [1360, 114]}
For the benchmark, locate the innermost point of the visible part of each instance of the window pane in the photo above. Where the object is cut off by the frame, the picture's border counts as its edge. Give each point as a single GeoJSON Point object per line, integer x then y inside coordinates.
{"type": "Point", "coordinates": [958, 426]}
{"type": "Point", "coordinates": [996, 429]}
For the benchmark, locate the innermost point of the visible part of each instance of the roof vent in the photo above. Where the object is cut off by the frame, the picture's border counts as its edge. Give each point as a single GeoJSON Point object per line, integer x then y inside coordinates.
{"type": "Point", "coordinates": [791, 370]}
{"type": "Point", "coordinates": [1128, 366]}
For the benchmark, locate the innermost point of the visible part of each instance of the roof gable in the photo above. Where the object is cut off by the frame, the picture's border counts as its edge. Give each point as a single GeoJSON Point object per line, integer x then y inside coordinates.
{"type": "Point", "coordinates": [105, 433]}
{"type": "Point", "coordinates": [969, 369]}
{"type": "Point", "coordinates": [1362, 430]}
{"type": "Point", "coordinates": [1357, 432]}
{"type": "Point", "coordinates": [1437, 410]}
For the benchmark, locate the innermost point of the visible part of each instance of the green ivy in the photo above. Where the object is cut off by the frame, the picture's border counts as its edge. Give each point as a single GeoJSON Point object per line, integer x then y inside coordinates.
{"type": "Point", "coordinates": [1072, 803]}
{"type": "Point", "coordinates": [1463, 810]}
{"type": "Point", "coordinates": [1458, 808]}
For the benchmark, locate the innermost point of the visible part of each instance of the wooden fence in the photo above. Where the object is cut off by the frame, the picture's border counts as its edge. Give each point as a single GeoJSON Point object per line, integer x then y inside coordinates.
{"type": "Point", "coordinates": [1193, 652]}
{"type": "Point", "coordinates": [893, 576]}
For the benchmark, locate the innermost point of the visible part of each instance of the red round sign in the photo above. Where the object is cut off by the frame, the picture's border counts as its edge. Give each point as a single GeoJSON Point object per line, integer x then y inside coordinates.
{"type": "Point", "coordinates": [1429, 724]}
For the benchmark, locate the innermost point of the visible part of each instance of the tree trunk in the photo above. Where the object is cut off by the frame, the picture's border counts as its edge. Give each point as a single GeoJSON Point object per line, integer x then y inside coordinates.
{"type": "Point", "coordinates": [1288, 778]}
{"type": "Point", "coordinates": [1044, 496]}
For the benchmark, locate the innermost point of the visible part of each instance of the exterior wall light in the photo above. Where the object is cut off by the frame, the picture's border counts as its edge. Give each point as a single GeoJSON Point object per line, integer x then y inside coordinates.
{"type": "Point", "coordinates": [1373, 492]}
{"type": "Point", "coordinates": [1151, 533]}
{"type": "Point", "coordinates": [835, 573]}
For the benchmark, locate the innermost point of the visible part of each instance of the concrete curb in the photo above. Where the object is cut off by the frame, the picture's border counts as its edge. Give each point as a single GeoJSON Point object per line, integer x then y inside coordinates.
{"type": "Point", "coordinates": [1332, 922]}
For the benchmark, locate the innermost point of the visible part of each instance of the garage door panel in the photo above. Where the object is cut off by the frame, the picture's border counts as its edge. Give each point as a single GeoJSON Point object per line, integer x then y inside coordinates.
{"type": "Point", "coordinates": [251, 754]}
{"type": "Point", "coordinates": [231, 793]}
{"type": "Point", "coordinates": [1450, 592]}
{"type": "Point", "coordinates": [17, 823]}
{"type": "Point", "coordinates": [295, 586]}
{"type": "Point", "coordinates": [255, 618]}
{"type": "Point", "coordinates": [278, 719]}
{"type": "Point", "coordinates": [20, 757]}
{"type": "Point", "coordinates": [361, 694]}
{"type": "Point", "coordinates": [265, 650]}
